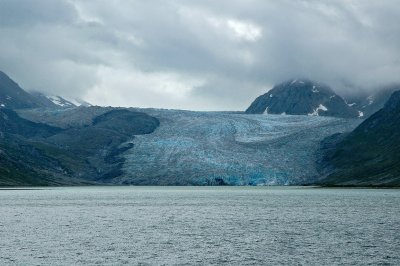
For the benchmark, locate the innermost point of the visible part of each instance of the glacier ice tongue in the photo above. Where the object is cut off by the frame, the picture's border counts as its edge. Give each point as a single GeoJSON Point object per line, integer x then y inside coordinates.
{"type": "Point", "coordinates": [203, 148]}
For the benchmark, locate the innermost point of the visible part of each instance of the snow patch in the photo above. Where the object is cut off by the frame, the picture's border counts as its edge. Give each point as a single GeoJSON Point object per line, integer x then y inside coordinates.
{"type": "Point", "coordinates": [294, 81]}
{"type": "Point", "coordinates": [57, 100]}
{"type": "Point", "coordinates": [370, 100]}
{"type": "Point", "coordinates": [2, 105]}
{"type": "Point", "coordinates": [316, 111]}
{"type": "Point", "coordinates": [323, 108]}
{"type": "Point", "coordinates": [266, 111]}
{"type": "Point", "coordinates": [314, 89]}
{"type": "Point", "coordinates": [270, 96]}
{"type": "Point", "coordinates": [78, 102]}
{"type": "Point", "coordinates": [73, 101]}
{"type": "Point", "coordinates": [360, 114]}
{"type": "Point", "coordinates": [351, 104]}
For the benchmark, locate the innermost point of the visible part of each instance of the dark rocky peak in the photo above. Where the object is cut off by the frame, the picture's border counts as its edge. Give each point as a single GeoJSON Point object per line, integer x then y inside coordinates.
{"type": "Point", "coordinates": [302, 97]}
{"type": "Point", "coordinates": [304, 85]}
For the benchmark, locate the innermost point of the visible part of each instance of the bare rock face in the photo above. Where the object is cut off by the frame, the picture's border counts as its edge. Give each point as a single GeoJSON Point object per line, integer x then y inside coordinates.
{"type": "Point", "coordinates": [302, 97]}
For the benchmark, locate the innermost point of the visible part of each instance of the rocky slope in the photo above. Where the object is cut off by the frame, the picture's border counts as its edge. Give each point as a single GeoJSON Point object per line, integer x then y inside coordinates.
{"type": "Point", "coordinates": [302, 97]}
{"type": "Point", "coordinates": [368, 156]}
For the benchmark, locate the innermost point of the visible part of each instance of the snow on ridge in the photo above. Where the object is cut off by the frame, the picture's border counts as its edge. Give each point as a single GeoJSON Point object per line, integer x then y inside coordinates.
{"type": "Point", "coordinates": [78, 102]}
{"type": "Point", "coordinates": [73, 101]}
{"type": "Point", "coordinates": [294, 81]}
{"type": "Point", "coordinates": [58, 100]}
{"type": "Point", "coordinates": [351, 104]}
{"type": "Point", "coordinates": [319, 108]}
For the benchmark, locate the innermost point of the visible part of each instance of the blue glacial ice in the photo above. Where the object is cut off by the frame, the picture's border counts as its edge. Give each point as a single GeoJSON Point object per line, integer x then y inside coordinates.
{"type": "Point", "coordinates": [211, 148]}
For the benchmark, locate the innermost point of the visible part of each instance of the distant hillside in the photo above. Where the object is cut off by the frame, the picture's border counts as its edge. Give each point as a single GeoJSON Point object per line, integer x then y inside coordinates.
{"type": "Point", "coordinates": [302, 97]}
{"type": "Point", "coordinates": [368, 156]}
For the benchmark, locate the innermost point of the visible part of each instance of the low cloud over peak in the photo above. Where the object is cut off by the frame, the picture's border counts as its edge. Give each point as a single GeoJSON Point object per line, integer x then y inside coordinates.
{"type": "Point", "coordinates": [203, 55]}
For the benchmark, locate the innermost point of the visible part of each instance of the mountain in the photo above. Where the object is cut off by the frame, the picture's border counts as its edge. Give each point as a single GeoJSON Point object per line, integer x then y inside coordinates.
{"type": "Point", "coordinates": [33, 153]}
{"type": "Point", "coordinates": [102, 142]}
{"type": "Point", "coordinates": [24, 154]}
{"type": "Point", "coordinates": [368, 156]}
{"type": "Point", "coordinates": [12, 96]}
{"type": "Point", "coordinates": [302, 97]}
{"type": "Point", "coordinates": [189, 148]}
{"type": "Point", "coordinates": [371, 103]}
{"type": "Point", "coordinates": [58, 102]}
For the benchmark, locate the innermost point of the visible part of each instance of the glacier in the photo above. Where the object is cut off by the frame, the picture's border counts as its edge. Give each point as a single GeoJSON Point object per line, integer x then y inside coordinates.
{"type": "Point", "coordinates": [222, 148]}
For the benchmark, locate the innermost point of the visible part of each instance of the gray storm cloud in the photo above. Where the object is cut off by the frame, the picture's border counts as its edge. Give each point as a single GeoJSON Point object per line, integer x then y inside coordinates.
{"type": "Point", "coordinates": [200, 55]}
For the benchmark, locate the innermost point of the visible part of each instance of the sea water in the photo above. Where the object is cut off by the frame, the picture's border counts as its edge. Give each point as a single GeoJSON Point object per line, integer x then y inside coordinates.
{"type": "Point", "coordinates": [199, 226]}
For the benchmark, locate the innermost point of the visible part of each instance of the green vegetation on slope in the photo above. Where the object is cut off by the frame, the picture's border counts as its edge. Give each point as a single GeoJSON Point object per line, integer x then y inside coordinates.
{"type": "Point", "coordinates": [37, 154]}
{"type": "Point", "coordinates": [370, 155]}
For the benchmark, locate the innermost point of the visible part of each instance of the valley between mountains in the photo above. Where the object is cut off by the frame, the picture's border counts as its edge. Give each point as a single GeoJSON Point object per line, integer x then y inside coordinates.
{"type": "Point", "coordinates": [298, 133]}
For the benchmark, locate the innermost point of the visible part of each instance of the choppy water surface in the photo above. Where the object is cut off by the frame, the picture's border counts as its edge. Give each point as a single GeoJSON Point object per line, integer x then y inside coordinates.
{"type": "Point", "coordinates": [199, 225]}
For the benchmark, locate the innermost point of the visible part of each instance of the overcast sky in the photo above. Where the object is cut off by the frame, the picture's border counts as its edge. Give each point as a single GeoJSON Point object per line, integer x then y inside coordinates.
{"type": "Point", "coordinates": [199, 55]}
